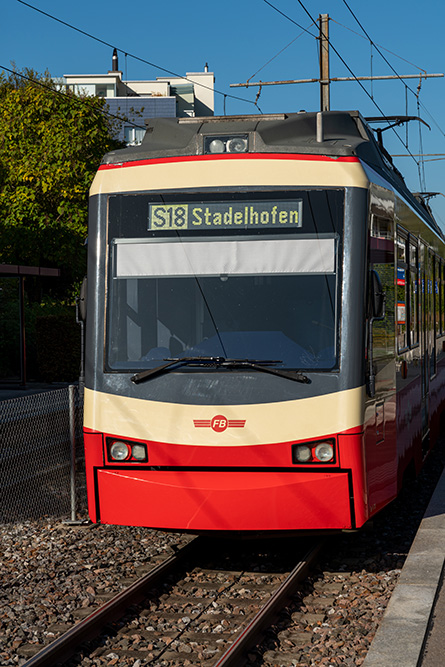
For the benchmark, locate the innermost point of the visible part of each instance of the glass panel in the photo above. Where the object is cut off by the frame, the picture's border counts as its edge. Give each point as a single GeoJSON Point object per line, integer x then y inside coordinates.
{"type": "Point", "coordinates": [437, 295]}
{"type": "Point", "coordinates": [290, 318]}
{"type": "Point", "coordinates": [381, 228]}
{"type": "Point", "coordinates": [133, 135]}
{"type": "Point", "coordinates": [402, 279]}
{"type": "Point", "coordinates": [413, 295]}
{"type": "Point", "coordinates": [138, 216]}
{"type": "Point", "coordinates": [382, 259]}
{"type": "Point", "coordinates": [442, 297]}
{"type": "Point", "coordinates": [414, 308]}
{"type": "Point", "coordinates": [401, 249]}
{"type": "Point", "coordinates": [266, 291]}
{"type": "Point", "coordinates": [430, 317]}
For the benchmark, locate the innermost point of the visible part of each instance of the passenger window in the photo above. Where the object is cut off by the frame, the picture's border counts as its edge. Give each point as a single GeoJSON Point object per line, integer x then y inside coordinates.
{"type": "Point", "coordinates": [402, 289]}
{"type": "Point", "coordinates": [413, 294]}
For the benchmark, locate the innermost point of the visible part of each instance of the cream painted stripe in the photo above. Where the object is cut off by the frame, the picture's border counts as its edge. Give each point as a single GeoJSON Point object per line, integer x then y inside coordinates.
{"type": "Point", "coordinates": [265, 422]}
{"type": "Point", "coordinates": [230, 173]}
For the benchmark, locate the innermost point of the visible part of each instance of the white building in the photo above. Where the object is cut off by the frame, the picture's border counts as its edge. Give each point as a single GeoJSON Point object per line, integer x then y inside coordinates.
{"type": "Point", "coordinates": [192, 95]}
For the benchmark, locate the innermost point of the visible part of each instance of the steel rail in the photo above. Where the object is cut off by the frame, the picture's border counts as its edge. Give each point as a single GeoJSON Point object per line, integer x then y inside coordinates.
{"type": "Point", "coordinates": [264, 618]}
{"type": "Point", "coordinates": [64, 647]}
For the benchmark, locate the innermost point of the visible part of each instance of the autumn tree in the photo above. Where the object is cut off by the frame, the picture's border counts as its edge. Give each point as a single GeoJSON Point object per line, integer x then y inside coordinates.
{"type": "Point", "coordinates": [51, 143]}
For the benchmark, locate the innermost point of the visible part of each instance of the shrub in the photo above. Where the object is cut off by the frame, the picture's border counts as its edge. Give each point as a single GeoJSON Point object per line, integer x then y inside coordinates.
{"type": "Point", "coordinates": [58, 346]}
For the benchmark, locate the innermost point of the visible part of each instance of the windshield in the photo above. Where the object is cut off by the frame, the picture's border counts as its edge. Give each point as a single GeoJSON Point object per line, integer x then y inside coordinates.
{"type": "Point", "coordinates": [239, 296]}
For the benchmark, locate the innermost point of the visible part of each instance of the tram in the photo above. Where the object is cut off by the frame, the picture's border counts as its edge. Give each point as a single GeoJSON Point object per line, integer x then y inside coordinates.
{"type": "Point", "coordinates": [265, 327]}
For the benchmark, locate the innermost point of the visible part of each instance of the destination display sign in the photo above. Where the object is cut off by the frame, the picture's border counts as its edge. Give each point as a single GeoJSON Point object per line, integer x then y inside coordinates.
{"type": "Point", "coordinates": [226, 215]}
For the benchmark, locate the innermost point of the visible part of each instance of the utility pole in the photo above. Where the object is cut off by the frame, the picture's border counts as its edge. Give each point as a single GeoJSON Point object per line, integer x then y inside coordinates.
{"type": "Point", "coordinates": [323, 20]}
{"type": "Point", "coordinates": [325, 79]}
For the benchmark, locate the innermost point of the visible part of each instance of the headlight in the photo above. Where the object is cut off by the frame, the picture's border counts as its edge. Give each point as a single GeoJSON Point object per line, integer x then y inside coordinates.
{"type": "Point", "coordinates": [216, 146]}
{"type": "Point", "coordinates": [139, 452]}
{"type": "Point", "coordinates": [119, 451]}
{"type": "Point", "coordinates": [324, 452]}
{"type": "Point", "coordinates": [314, 452]}
{"type": "Point", "coordinates": [303, 453]}
{"type": "Point", "coordinates": [238, 143]}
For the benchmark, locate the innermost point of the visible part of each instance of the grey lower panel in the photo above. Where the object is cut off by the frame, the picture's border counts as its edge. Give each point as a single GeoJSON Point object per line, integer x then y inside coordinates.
{"type": "Point", "coordinates": [218, 387]}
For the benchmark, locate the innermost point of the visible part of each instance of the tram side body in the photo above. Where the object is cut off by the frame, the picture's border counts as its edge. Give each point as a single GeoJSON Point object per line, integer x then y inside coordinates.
{"type": "Point", "coordinates": [222, 478]}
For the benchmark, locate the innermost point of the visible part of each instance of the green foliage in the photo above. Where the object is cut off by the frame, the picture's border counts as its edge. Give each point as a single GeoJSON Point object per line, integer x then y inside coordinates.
{"type": "Point", "coordinates": [52, 337]}
{"type": "Point", "coordinates": [50, 147]}
{"type": "Point", "coordinates": [9, 328]}
{"type": "Point", "coordinates": [51, 144]}
{"type": "Point", "coordinates": [58, 346]}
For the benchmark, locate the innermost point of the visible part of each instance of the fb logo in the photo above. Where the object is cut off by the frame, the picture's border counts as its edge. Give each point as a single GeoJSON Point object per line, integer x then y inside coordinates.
{"type": "Point", "coordinates": [219, 423]}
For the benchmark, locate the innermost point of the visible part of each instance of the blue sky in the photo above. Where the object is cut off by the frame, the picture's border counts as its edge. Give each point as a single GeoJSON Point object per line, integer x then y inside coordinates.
{"type": "Point", "coordinates": [237, 38]}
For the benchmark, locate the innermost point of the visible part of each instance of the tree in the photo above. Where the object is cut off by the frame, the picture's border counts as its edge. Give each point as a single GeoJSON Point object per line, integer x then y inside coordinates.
{"type": "Point", "coordinates": [51, 143]}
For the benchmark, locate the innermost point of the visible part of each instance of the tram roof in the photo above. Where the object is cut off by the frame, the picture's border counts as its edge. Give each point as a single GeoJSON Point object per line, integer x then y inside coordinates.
{"type": "Point", "coordinates": [344, 133]}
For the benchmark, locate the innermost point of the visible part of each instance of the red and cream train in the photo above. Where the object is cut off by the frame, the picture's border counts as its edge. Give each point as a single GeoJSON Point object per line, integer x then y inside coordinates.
{"type": "Point", "coordinates": [265, 327]}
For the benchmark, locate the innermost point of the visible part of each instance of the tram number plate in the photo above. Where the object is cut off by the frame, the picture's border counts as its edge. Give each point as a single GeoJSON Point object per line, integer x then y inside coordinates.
{"type": "Point", "coordinates": [171, 216]}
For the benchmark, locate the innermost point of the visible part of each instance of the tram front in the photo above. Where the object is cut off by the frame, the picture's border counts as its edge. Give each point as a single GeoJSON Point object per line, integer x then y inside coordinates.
{"type": "Point", "coordinates": [219, 395]}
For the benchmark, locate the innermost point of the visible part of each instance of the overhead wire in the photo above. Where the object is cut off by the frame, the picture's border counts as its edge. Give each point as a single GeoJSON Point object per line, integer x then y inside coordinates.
{"type": "Point", "coordinates": [375, 45]}
{"type": "Point", "coordinates": [380, 52]}
{"type": "Point", "coordinates": [389, 64]}
{"type": "Point", "coordinates": [396, 55]}
{"type": "Point", "coordinates": [277, 54]}
{"type": "Point", "coordinates": [289, 18]}
{"type": "Point", "coordinates": [422, 179]}
{"type": "Point", "coordinates": [304, 30]}
{"type": "Point", "coordinates": [344, 63]}
{"type": "Point", "coordinates": [132, 55]}
{"type": "Point", "coordinates": [416, 94]}
{"type": "Point", "coordinates": [420, 165]}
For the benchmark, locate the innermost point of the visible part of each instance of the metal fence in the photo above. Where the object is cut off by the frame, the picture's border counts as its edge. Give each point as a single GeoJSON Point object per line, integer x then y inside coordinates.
{"type": "Point", "coordinates": [41, 456]}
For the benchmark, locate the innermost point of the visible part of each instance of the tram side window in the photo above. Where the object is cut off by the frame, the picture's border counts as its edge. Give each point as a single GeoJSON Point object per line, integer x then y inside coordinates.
{"type": "Point", "coordinates": [402, 285]}
{"type": "Point", "coordinates": [413, 295]}
{"type": "Point", "coordinates": [440, 304]}
{"type": "Point", "coordinates": [437, 295]}
{"type": "Point", "coordinates": [382, 260]}
{"type": "Point", "coordinates": [443, 298]}
{"type": "Point", "coordinates": [430, 310]}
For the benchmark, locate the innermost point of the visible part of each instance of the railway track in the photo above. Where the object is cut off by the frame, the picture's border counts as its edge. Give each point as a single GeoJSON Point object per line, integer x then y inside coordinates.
{"type": "Point", "coordinates": [208, 604]}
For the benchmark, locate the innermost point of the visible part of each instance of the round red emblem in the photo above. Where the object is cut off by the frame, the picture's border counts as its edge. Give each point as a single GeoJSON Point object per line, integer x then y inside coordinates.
{"type": "Point", "coordinates": [219, 423]}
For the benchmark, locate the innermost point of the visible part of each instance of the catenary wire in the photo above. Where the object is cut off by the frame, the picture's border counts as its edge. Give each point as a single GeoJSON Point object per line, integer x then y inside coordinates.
{"type": "Point", "coordinates": [416, 94]}
{"type": "Point", "coordinates": [389, 64]}
{"type": "Point", "coordinates": [277, 54]}
{"type": "Point", "coordinates": [289, 19]}
{"type": "Point", "coordinates": [74, 98]}
{"type": "Point", "coordinates": [378, 49]}
{"type": "Point", "coordinates": [421, 104]}
{"type": "Point", "coordinates": [347, 67]}
{"type": "Point", "coordinates": [131, 55]}
{"type": "Point", "coordinates": [396, 55]}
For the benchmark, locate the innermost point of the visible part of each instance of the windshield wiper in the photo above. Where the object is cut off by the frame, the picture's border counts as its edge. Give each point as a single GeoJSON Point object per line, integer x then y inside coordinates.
{"type": "Point", "coordinates": [177, 361]}
{"type": "Point", "coordinates": [221, 362]}
{"type": "Point", "coordinates": [259, 365]}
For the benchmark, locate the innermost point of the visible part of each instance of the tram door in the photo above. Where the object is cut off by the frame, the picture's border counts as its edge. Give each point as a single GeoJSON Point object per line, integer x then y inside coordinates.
{"type": "Point", "coordinates": [380, 414]}
{"type": "Point", "coordinates": [427, 334]}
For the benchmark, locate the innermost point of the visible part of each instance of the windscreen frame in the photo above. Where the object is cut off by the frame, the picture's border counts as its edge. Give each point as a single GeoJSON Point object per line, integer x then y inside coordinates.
{"type": "Point", "coordinates": [332, 201]}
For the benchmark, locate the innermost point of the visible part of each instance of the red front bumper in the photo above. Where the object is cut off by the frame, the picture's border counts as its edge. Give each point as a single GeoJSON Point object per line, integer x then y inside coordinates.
{"type": "Point", "coordinates": [224, 500]}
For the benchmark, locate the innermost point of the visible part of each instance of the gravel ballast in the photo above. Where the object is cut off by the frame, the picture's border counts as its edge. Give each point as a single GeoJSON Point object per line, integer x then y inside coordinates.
{"type": "Point", "coordinates": [53, 574]}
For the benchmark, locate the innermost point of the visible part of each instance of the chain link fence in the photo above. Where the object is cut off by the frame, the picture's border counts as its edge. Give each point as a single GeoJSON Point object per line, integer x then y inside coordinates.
{"type": "Point", "coordinates": [42, 469]}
